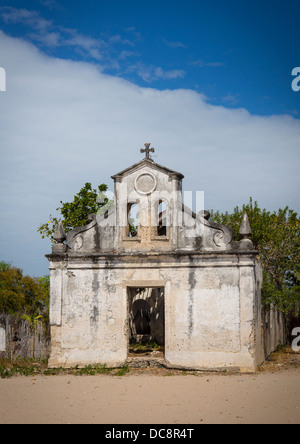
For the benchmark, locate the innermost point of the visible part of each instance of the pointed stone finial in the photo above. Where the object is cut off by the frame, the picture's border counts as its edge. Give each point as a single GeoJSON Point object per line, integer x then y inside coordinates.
{"type": "Point", "coordinates": [245, 231]}
{"type": "Point", "coordinates": [59, 236]}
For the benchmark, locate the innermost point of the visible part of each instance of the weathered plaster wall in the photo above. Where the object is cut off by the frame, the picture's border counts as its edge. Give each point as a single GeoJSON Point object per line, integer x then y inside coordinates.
{"type": "Point", "coordinates": [93, 314]}
{"type": "Point", "coordinates": [209, 309]}
{"type": "Point", "coordinates": [213, 324]}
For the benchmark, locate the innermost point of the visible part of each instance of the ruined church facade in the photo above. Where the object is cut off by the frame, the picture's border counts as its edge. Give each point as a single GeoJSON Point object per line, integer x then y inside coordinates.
{"type": "Point", "coordinates": [149, 267]}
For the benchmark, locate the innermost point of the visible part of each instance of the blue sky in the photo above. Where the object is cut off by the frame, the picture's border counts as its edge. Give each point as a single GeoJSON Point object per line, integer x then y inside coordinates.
{"type": "Point", "coordinates": [238, 54]}
{"type": "Point", "coordinates": [88, 83]}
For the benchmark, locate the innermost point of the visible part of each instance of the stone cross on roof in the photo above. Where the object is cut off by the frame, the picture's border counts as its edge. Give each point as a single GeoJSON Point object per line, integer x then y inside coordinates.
{"type": "Point", "coordinates": [147, 150]}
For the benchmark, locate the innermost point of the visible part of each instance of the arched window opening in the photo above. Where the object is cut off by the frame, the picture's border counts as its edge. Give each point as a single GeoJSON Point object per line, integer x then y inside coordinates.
{"type": "Point", "coordinates": [162, 219]}
{"type": "Point", "coordinates": [133, 220]}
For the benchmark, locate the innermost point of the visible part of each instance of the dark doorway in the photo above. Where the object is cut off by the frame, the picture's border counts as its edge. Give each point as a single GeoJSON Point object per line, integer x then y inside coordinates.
{"type": "Point", "coordinates": [146, 317]}
{"type": "Point", "coordinates": [141, 318]}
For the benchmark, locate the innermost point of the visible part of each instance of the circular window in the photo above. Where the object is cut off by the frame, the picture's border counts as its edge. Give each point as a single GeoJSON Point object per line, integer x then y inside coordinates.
{"type": "Point", "coordinates": [145, 183]}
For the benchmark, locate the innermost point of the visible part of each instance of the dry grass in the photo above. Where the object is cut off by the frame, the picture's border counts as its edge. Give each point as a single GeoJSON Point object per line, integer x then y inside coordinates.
{"type": "Point", "coordinates": [283, 359]}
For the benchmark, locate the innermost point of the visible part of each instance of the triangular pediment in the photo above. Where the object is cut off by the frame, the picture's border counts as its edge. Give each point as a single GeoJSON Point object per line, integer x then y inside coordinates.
{"type": "Point", "coordinates": [146, 163]}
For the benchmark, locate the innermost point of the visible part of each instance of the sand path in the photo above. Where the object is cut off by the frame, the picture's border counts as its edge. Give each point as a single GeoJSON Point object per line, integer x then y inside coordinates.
{"type": "Point", "coordinates": [150, 399]}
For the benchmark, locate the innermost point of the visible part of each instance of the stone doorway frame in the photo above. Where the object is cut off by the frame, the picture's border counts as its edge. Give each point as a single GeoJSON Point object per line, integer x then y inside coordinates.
{"type": "Point", "coordinates": [147, 284]}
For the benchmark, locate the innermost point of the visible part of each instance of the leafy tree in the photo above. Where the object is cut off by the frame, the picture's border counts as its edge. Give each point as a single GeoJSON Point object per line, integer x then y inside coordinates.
{"type": "Point", "coordinates": [20, 293]}
{"type": "Point", "coordinates": [33, 320]}
{"type": "Point", "coordinates": [12, 297]}
{"type": "Point", "coordinates": [276, 237]}
{"type": "Point", "coordinates": [76, 213]}
{"type": "Point", "coordinates": [296, 289]}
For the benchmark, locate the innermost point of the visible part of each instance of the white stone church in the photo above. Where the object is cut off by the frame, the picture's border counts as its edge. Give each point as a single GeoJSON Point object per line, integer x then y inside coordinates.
{"type": "Point", "coordinates": [149, 268]}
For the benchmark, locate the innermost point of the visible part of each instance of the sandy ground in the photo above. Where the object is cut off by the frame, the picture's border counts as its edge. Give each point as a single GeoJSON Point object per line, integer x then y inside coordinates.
{"type": "Point", "coordinates": [270, 396]}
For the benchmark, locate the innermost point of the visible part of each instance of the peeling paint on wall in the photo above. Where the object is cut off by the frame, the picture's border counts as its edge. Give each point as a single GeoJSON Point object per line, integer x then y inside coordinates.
{"type": "Point", "coordinates": [192, 283]}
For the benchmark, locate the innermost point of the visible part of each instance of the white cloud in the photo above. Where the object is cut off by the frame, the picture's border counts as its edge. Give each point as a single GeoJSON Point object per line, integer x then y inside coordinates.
{"type": "Point", "coordinates": [65, 123]}
{"type": "Point", "coordinates": [150, 73]}
{"type": "Point", "coordinates": [160, 73]}
{"type": "Point", "coordinates": [26, 17]}
{"type": "Point", "coordinates": [44, 32]}
{"type": "Point", "coordinates": [107, 51]}
{"type": "Point", "coordinates": [49, 39]}
{"type": "Point", "coordinates": [51, 4]}
{"type": "Point", "coordinates": [201, 64]}
{"type": "Point", "coordinates": [174, 44]}
{"type": "Point", "coordinates": [233, 99]}
{"type": "Point", "coordinates": [82, 42]}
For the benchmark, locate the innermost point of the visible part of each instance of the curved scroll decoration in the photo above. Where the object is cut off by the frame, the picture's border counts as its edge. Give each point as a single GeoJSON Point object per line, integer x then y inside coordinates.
{"type": "Point", "coordinates": [73, 240]}
{"type": "Point", "coordinates": [223, 235]}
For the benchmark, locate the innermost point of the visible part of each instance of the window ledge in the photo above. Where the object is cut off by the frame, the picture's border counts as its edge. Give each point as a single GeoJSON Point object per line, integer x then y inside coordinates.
{"type": "Point", "coordinates": [160, 238]}
{"type": "Point", "coordinates": [131, 239]}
